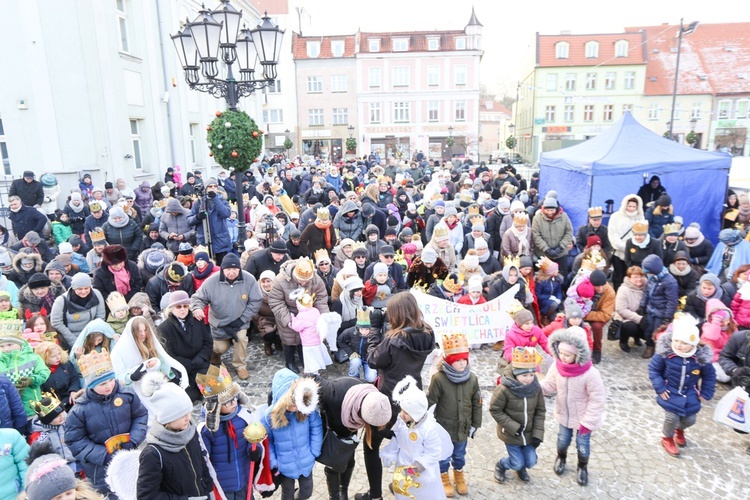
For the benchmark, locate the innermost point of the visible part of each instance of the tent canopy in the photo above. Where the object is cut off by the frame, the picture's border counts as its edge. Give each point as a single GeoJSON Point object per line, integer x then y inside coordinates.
{"type": "Point", "coordinates": [620, 160]}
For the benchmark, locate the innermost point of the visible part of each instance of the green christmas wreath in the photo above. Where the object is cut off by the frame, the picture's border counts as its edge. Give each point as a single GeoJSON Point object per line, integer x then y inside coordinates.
{"type": "Point", "coordinates": [351, 144]}
{"type": "Point", "coordinates": [234, 140]}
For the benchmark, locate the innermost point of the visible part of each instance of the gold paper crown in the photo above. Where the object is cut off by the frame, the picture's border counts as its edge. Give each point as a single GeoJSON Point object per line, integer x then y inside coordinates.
{"type": "Point", "coordinates": [215, 381]}
{"type": "Point", "coordinates": [524, 358]}
{"type": "Point", "coordinates": [673, 228]}
{"type": "Point", "coordinates": [174, 277]}
{"type": "Point", "coordinates": [593, 262]}
{"type": "Point", "coordinates": [363, 316]}
{"type": "Point", "coordinates": [399, 258]}
{"type": "Point", "coordinates": [95, 206]}
{"type": "Point", "coordinates": [359, 244]}
{"type": "Point", "coordinates": [233, 207]}
{"type": "Point", "coordinates": [97, 235]}
{"type": "Point", "coordinates": [440, 232]}
{"type": "Point", "coordinates": [421, 285]}
{"type": "Point", "coordinates": [595, 212]}
{"type": "Point", "coordinates": [477, 219]}
{"type": "Point", "coordinates": [306, 300]}
{"type": "Point", "coordinates": [305, 269]}
{"type": "Point", "coordinates": [321, 255]}
{"type": "Point", "coordinates": [512, 261]}
{"type": "Point", "coordinates": [453, 285]}
{"type": "Point", "coordinates": [12, 329]}
{"type": "Point", "coordinates": [640, 227]}
{"type": "Point", "coordinates": [404, 478]}
{"type": "Point", "coordinates": [200, 248]}
{"type": "Point", "coordinates": [514, 307]}
{"type": "Point", "coordinates": [323, 213]}
{"type": "Point", "coordinates": [94, 364]}
{"type": "Point", "coordinates": [473, 210]}
{"type": "Point", "coordinates": [455, 343]}
{"type": "Point", "coordinates": [46, 405]}
{"type": "Point", "coordinates": [520, 218]}
{"type": "Point", "coordinates": [467, 196]}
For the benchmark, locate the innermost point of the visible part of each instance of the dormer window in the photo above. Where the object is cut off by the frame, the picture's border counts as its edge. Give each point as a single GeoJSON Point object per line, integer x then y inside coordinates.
{"type": "Point", "coordinates": [461, 43]}
{"type": "Point", "coordinates": [561, 50]}
{"type": "Point", "coordinates": [400, 44]}
{"type": "Point", "coordinates": [433, 44]}
{"type": "Point", "coordinates": [313, 49]}
{"type": "Point", "coordinates": [592, 49]}
{"type": "Point", "coordinates": [374, 44]}
{"type": "Point", "coordinates": [621, 48]}
{"type": "Point", "coordinates": [337, 48]}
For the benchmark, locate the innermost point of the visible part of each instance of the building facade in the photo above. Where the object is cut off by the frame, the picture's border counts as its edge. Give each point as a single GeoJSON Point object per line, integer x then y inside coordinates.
{"type": "Point", "coordinates": [494, 119]}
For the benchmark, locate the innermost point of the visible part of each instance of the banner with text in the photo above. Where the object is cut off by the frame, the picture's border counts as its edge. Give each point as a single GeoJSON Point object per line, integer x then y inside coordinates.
{"type": "Point", "coordinates": [483, 323]}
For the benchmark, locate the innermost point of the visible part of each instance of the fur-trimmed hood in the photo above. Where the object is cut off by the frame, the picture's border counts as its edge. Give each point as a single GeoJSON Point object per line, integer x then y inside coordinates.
{"type": "Point", "coordinates": [565, 335]}
{"type": "Point", "coordinates": [288, 388]}
{"type": "Point", "coordinates": [25, 293]}
{"type": "Point", "coordinates": [703, 354]}
{"type": "Point", "coordinates": [27, 254]}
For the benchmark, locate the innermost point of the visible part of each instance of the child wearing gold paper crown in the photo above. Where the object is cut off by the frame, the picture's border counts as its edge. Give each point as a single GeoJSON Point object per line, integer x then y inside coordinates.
{"type": "Point", "coordinates": [454, 390]}
{"type": "Point", "coordinates": [305, 322]}
{"type": "Point", "coordinates": [517, 406]}
{"type": "Point", "coordinates": [48, 426]}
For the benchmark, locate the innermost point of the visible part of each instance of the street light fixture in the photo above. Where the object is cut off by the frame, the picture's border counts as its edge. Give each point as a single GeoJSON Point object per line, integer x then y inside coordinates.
{"type": "Point", "coordinates": [350, 128]}
{"type": "Point", "coordinates": [514, 142]}
{"type": "Point", "coordinates": [683, 31]}
{"type": "Point", "coordinates": [450, 143]}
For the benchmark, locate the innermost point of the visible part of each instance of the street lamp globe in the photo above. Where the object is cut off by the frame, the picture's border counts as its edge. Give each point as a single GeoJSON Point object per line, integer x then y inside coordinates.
{"type": "Point", "coordinates": [267, 37]}
{"type": "Point", "coordinates": [247, 55]}
{"type": "Point", "coordinates": [206, 32]}
{"type": "Point", "coordinates": [230, 18]}
{"type": "Point", "coordinates": [187, 52]}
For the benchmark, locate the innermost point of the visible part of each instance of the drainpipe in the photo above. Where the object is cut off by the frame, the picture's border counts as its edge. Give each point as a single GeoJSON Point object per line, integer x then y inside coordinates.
{"type": "Point", "coordinates": [165, 75]}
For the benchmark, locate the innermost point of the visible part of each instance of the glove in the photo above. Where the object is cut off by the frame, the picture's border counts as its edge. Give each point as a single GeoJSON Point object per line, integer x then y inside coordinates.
{"type": "Point", "coordinates": [23, 382]}
{"type": "Point", "coordinates": [693, 260]}
{"type": "Point", "coordinates": [551, 253]}
{"type": "Point", "coordinates": [741, 376]}
{"type": "Point", "coordinates": [584, 430]}
{"type": "Point", "coordinates": [641, 311]}
{"type": "Point", "coordinates": [138, 373]}
{"type": "Point", "coordinates": [377, 318]}
{"type": "Point", "coordinates": [177, 376]}
{"type": "Point", "coordinates": [472, 431]}
{"type": "Point", "coordinates": [535, 442]}
{"type": "Point", "coordinates": [211, 194]}
{"type": "Point", "coordinates": [256, 455]}
{"type": "Point", "coordinates": [201, 216]}
{"type": "Point", "coordinates": [236, 324]}
{"type": "Point", "coordinates": [520, 430]}
{"type": "Point", "coordinates": [128, 446]}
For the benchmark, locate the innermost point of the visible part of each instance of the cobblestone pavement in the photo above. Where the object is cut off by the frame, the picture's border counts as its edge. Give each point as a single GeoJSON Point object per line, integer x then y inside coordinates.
{"type": "Point", "coordinates": [627, 460]}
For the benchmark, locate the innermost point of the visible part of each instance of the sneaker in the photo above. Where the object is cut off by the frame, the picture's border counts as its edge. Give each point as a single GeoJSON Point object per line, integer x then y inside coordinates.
{"type": "Point", "coordinates": [669, 446]}
{"type": "Point", "coordinates": [499, 473]}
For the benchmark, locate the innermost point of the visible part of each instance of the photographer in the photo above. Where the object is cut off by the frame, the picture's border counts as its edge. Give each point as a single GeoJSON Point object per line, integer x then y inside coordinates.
{"type": "Point", "coordinates": [211, 212]}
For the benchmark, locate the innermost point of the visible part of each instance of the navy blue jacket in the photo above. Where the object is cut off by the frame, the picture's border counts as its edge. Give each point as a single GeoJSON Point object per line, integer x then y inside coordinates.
{"type": "Point", "coordinates": [657, 220]}
{"type": "Point", "coordinates": [231, 459]}
{"type": "Point", "coordinates": [218, 213]}
{"type": "Point", "coordinates": [12, 412]}
{"type": "Point", "coordinates": [63, 381]}
{"type": "Point", "coordinates": [27, 219]}
{"type": "Point", "coordinates": [660, 298]}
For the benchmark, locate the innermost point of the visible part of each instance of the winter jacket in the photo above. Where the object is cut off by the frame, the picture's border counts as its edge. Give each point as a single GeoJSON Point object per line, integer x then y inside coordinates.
{"type": "Point", "coordinates": [129, 236]}
{"type": "Point", "coordinates": [61, 231]}
{"type": "Point", "coordinates": [588, 230]}
{"type": "Point", "coordinates": [701, 253]}
{"type": "Point", "coordinates": [190, 344]}
{"type": "Point", "coordinates": [657, 217]}
{"type": "Point", "coordinates": [69, 318]}
{"type": "Point", "coordinates": [648, 194]}
{"type": "Point", "coordinates": [263, 261]}
{"type": "Point", "coordinates": [229, 302]}
{"type": "Point", "coordinates": [581, 399]}
{"type": "Point", "coordinates": [695, 302]}
{"type": "Point", "coordinates": [27, 219]}
{"type": "Point", "coordinates": [604, 305]}
{"type": "Point", "coordinates": [627, 302]}
{"type": "Point", "coordinates": [12, 412]}
{"type": "Point", "coordinates": [514, 406]}
{"type": "Point", "coordinates": [424, 276]}
{"type": "Point", "coordinates": [144, 197]}
{"type": "Point", "coordinates": [687, 282]}
{"type": "Point", "coordinates": [55, 434]}
{"type": "Point", "coordinates": [511, 243]}
{"type": "Point", "coordinates": [458, 406]}
{"type": "Point", "coordinates": [28, 303]}
{"type": "Point", "coordinates": [620, 227]}
{"type": "Point", "coordinates": [500, 286]}
{"type": "Point", "coordinates": [741, 311]}
{"type": "Point", "coordinates": [230, 457]}
{"type": "Point", "coordinates": [711, 333]}
{"type": "Point", "coordinates": [552, 233]}
{"type": "Point", "coordinates": [31, 193]}
{"type": "Point", "coordinates": [25, 364]}
{"type": "Point", "coordinates": [634, 254]}
{"type": "Point", "coordinates": [395, 272]}
{"type": "Point", "coordinates": [94, 419]}
{"type": "Point", "coordinates": [63, 380]}
{"type": "Point", "coordinates": [736, 352]}
{"type": "Point", "coordinates": [351, 341]}
{"type": "Point", "coordinates": [331, 394]}
{"type": "Point", "coordinates": [104, 280]}
{"type": "Point", "coordinates": [494, 222]}
{"type": "Point", "coordinates": [313, 239]}
{"type": "Point", "coordinates": [398, 355]}
{"type": "Point", "coordinates": [218, 213]}
{"type": "Point", "coordinates": [517, 337]}
{"type": "Point", "coordinates": [283, 306]}
{"type": "Point", "coordinates": [12, 463]}
{"type": "Point", "coordinates": [660, 299]}
{"type": "Point", "coordinates": [546, 292]}
{"type": "Point", "coordinates": [77, 220]}
{"type": "Point", "coordinates": [348, 227]}
{"type": "Point", "coordinates": [177, 224]}
{"type": "Point", "coordinates": [685, 379]}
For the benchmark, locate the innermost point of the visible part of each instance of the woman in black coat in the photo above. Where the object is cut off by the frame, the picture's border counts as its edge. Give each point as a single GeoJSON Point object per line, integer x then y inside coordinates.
{"type": "Point", "coordinates": [186, 339]}
{"type": "Point", "coordinates": [641, 245]}
{"type": "Point", "coordinates": [114, 261]}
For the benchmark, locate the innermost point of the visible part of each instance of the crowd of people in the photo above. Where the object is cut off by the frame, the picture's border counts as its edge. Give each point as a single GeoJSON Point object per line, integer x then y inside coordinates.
{"type": "Point", "coordinates": [116, 310]}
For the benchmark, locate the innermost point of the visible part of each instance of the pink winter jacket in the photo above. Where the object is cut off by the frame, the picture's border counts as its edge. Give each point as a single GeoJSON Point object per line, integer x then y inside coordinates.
{"type": "Point", "coordinates": [741, 311]}
{"type": "Point", "coordinates": [516, 337]}
{"type": "Point", "coordinates": [712, 334]}
{"type": "Point", "coordinates": [581, 399]}
{"type": "Point", "coordinates": [306, 324]}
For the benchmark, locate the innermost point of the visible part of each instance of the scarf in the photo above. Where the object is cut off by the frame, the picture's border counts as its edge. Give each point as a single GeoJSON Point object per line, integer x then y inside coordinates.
{"type": "Point", "coordinates": [349, 306]}
{"type": "Point", "coordinates": [122, 280]}
{"type": "Point", "coordinates": [324, 226]}
{"type": "Point", "coordinates": [484, 258]}
{"type": "Point", "coordinates": [186, 259]}
{"type": "Point", "coordinates": [201, 275]}
{"type": "Point", "coordinates": [523, 240]}
{"type": "Point", "coordinates": [454, 375]}
{"type": "Point", "coordinates": [572, 370]}
{"type": "Point", "coordinates": [676, 272]}
{"type": "Point", "coordinates": [518, 389]}
{"type": "Point", "coordinates": [450, 226]}
{"type": "Point", "coordinates": [170, 441]}
{"type": "Point", "coordinates": [696, 242]}
{"type": "Point", "coordinates": [645, 242]}
{"type": "Point", "coordinates": [351, 407]}
{"type": "Point", "coordinates": [633, 215]}
{"type": "Point", "coordinates": [76, 209]}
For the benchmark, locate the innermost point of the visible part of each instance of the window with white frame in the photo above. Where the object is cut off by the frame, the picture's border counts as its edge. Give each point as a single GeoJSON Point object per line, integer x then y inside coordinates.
{"type": "Point", "coordinates": [135, 139]}
{"type": "Point", "coordinates": [626, 108]}
{"type": "Point", "coordinates": [433, 111]}
{"type": "Point", "coordinates": [400, 44]}
{"type": "Point", "coordinates": [677, 111]}
{"type": "Point", "coordinates": [590, 81]}
{"type": "Point", "coordinates": [608, 112]}
{"type": "Point", "coordinates": [337, 48]}
{"type": "Point", "coordinates": [551, 82]}
{"type": "Point", "coordinates": [609, 80]}
{"type": "Point", "coordinates": [630, 80]}
{"type": "Point", "coordinates": [374, 44]}
{"type": "Point", "coordinates": [273, 115]}
{"type": "Point", "coordinates": [401, 112]}
{"type": "Point", "coordinates": [433, 75]}
{"type": "Point", "coordinates": [740, 110]}
{"type": "Point", "coordinates": [570, 81]}
{"type": "Point", "coordinates": [433, 44]}
{"type": "Point", "coordinates": [460, 111]}
{"type": "Point", "coordinates": [373, 77]}
{"type": "Point", "coordinates": [562, 50]}
{"type": "Point", "coordinates": [193, 128]}
{"type": "Point", "coordinates": [313, 49]}
{"type": "Point", "coordinates": [725, 107]}
{"type": "Point", "coordinates": [400, 76]}
{"type": "Point", "coordinates": [375, 112]}
{"type": "Point", "coordinates": [122, 25]}
{"type": "Point", "coordinates": [592, 49]}
{"type": "Point", "coordinates": [273, 88]}
{"type": "Point", "coordinates": [459, 74]}
{"type": "Point", "coordinates": [4, 150]}
{"type": "Point", "coordinates": [460, 43]}
{"type": "Point", "coordinates": [315, 116]}
{"type": "Point", "coordinates": [314, 84]}
{"type": "Point", "coordinates": [569, 112]}
{"type": "Point", "coordinates": [340, 116]}
{"type": "Point", "coordinates": [696, 111]}
{"type": "Point", "coordinates": [549, 114]}
{"type": "Point", "coordinates": [653, 112]}
{"type": "Point", "coordinates": [338, 83]}
{"type": "Point", "coordinates": [621, 48]}
{"type": "Point", "coordinates": [588, 113]}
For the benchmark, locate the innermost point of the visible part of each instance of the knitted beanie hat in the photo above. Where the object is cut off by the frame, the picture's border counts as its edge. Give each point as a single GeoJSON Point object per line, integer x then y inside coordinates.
{"type": "Point", "coordinates": [379, 268]}
{"type": "Point", "coordinates": [155, 259]}
{"type": "Point", "coordinates": [376, 409]}
{"type": "Point", "coordinates": [168, 401]}
{"type": "Point", "coordinates": [80, 280]}
{"type": "Point", "coordinates": [522, 317]}
{"type": "Point", "coordinates": [48, 474]}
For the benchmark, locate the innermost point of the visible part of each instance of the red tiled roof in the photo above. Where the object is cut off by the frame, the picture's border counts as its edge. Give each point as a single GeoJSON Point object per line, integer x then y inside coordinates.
{"type": "Point", "coordinates": [417, 40]}
{"type": "Point", "coordinates": [299, 46]}
{"type": "Point", "coordinates": [577, 50]}
{"type": "Point", "coordinates": [488, 105]}
{"type": "Point", "coordinates": [713, 59]}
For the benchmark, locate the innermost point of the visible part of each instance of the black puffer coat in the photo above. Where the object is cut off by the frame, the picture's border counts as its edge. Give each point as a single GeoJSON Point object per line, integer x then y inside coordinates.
{"type": "Point", "coordinates": [191, 345]}
{"type": "Point", "coordinates": [400, 355]}
{"type": "Point", "coordinates": [129, 236]}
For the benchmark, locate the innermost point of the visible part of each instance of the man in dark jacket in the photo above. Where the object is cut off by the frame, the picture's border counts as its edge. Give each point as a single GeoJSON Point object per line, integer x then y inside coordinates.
{"type": "Point", "coordinates": [395, 271]}
{"type": "Point", "coordinates": [734, 359]}
{"type": "Point", "coordinates": [29, 190]}
{"type": "Point", "coordinates": [651, 191]}
{"type": "Point", "coordinates": [25, 218]}
{"type": "Point", "coordinates": [659, 301]}
{"type": "Point", "coordinates": [216, 209]}
{"type": "Point", "coordinates": [291, 185]}
{"type": "Point", "coordinates": [594, 228]}
{"type": "Point", "coordinates": [37, 244]}
{"type": "Point", "coordinates": [371, 215]}
{"type": "Point", "coordinates": [188, 189]}
{"type": "Point", "coordinates": [269, 259]}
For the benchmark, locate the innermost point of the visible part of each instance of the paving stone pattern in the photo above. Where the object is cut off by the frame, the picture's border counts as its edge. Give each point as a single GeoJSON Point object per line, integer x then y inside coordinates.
{"type": "Point", "coordinates": [627, 460]}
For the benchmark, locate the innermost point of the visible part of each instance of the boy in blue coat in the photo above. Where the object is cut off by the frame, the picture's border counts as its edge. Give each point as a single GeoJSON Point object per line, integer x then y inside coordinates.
{"type": "Point", "coordinates": [683, 377]}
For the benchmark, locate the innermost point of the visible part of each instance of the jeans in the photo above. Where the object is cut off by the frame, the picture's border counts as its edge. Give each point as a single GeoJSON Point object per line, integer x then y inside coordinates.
{"type": "Point", "coordinates": [519, 457]}
{"type": "Point", "coordinates": [457, 459]}
{"type": "Point", "coordinates": [305, 488]}
{"type": "Point", "coordinates": [583, 441]}
{"type": "Point", "coordinates": [237, 495]}
{"type": "Point", "coordinates": [673, 421]}
{"type": "Point", "coordinates": [356, 363]}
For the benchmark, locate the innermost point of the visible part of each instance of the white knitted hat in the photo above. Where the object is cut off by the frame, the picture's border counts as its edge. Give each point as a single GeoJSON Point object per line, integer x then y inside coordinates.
{"type": "Point", "coordinates": [410, 398]}
{"type": "Point", "coordinates": [169, 401]}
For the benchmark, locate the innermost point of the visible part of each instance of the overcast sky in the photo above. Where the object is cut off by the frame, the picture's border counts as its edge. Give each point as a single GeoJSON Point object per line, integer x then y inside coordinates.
{"type": "Point", "coordinates": [509, 26]}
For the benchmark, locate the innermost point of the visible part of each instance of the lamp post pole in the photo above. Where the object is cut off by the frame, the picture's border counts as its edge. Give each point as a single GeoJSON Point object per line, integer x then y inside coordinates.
{"type": "Point", "coordinates": [683, 31]}
{"type": "Point", "coordinates": [450, 144]}
{"type": "Point", "coordinates": [512, 157]}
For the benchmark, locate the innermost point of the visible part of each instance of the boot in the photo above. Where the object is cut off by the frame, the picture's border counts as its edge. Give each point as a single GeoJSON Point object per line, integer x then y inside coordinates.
{"type": "Point", "coordinates": [523, 475]}
{"type": "Point", "coordinates": [637, 342]}
{"type": "Point", "coordinates": [346, 477]}
{"type": "Point", "coordinates": [267, 349]}
{"type": "Point", "coordinates": [624, 346]}
{"type": "Point", "coordinates": [596, 357]}
{"type": "Point", "coordinates": [299, 353]}
{"type": "Point", "coordinates": [500, 472]}
{"type": "Point", "coordinates": [679, 438]}
{"type": "Point", "coordinates": [460, 480]}
{"type": "Point", "coordinates": [289, 351]}
{"type": "Point", "coordinates": [583, 472]}
{"type": "Point", "coordinates": [498, 346]}
{"type": "Point", "coordinates": [278, 345]}
{"type": "Point", "coordinates": [447, 486]}
{"type": "Point", "coordinates": [559, 466]}
{"type": "Point", "coordinates": [648, 353]}
{"type": "Point", "coordinates": [668, 444]}
{"type": "Point", "coordinates": [333, 481]}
